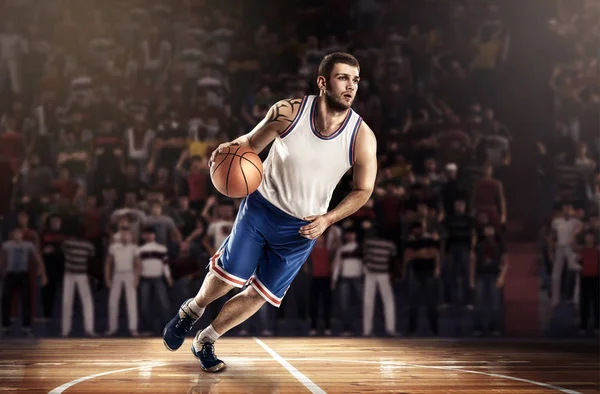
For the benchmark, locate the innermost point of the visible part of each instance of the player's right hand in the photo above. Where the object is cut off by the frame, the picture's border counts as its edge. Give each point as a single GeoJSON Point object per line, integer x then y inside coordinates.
{"type": "Point", "coordinates": [220, 149]}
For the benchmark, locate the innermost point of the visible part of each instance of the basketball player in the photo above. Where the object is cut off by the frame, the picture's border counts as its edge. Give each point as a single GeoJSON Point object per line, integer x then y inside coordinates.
{"type": "Point", "coordinates": [315, 141]}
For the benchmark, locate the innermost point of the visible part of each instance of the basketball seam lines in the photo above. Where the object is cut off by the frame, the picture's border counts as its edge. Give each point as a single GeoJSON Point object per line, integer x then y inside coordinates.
{"type": "Point", "coordinates": [243, 174]}
{"type": "Point", "coordinates": [225, 154]}
{"type": "Point", "coordinates": [251, 162]}
{"type": "Point", "coordinates": [229, 171]}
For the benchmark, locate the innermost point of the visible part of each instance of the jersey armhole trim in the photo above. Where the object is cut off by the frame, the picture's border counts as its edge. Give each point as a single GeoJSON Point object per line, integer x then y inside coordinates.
{"type": "Point", "coordinates": [297, 118]}
{"type": "Point", "coordinates": [352, 153]}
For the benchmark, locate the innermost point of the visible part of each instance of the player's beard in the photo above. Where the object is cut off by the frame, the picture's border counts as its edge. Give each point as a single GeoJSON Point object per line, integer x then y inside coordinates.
{"type": "Point", "coordinates": [336, 103]}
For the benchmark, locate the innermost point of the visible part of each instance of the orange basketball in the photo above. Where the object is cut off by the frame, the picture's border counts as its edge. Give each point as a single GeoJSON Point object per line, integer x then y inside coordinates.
{"type": "Point", "coordinates": [236, 172]}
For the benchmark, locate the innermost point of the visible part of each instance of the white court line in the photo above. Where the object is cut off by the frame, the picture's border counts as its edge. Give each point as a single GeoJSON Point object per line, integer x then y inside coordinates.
{"type": "Point", "coordinates": [313, 388]}
{"type": "Point", "coordinates": [65, 386]}
{"type": "Point", "coordinates": [61, 389]}
{"type": "Point", "coordinates": [456, 369]}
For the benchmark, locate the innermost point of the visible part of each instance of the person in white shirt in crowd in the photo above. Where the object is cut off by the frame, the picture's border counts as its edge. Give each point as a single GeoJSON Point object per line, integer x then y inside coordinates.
{"type": "Point", "coordinates": [122, 270]}
{"type": "Point", "coordinates": [348, 270]}
{"type": "Point", "coordinates": [77, 254]}
{"type": "Point", "coordinates": [131, 214]}
{"type": "Point", "coordinates": [155, 276]}
{"type": "Point", "coordinates": [380, 256]}
{"type": "Point", "coordinates": [220, 225]}
{"type": "Point", "coordinates": [564, 231]}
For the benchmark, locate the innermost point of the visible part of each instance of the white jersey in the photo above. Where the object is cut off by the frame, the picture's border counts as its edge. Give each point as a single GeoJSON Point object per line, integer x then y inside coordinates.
{"type": "Point", "coordinates": [303, 168]}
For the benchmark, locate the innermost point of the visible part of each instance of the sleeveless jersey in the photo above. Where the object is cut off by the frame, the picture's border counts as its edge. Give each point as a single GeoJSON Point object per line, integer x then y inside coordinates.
{"type": "Point", "coordinates": [303, 168]}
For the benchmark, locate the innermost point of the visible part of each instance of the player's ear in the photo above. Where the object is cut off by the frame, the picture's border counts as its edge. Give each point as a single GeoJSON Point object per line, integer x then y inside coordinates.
{"type": "Point", "coordinates": [321, 83]}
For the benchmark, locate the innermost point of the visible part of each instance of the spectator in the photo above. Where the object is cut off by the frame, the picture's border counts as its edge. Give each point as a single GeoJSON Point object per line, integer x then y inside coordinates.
{"type": "Point", "coordinates": [422, 260]}
{"type": "Point", "coordinates": [487, 275]}
{"type": "Point", "coordinates": [460, 230]}
{"type": "Point", "coordinates": [380, 257]}
{"type": "Point", "coordinates": [488, 197]}
{"type": "Point", "coordinates": [66, 186]}
{"type": "Point", "coordinates": [139, 138]}
{"type": "Point", "coordinates": [155, 275]}
{"type": "Point", "coordinates": [320, 287]}
{"type": "Point", "coordinates": [451, 190]}
{"type": "Point", "coordinates": [51, 242]}
{"type": "Point", "coordinates": [166, 230]}
{"type": "Point", "coordinates": [348, 267]}
{"type": "Point", "coordinates": [77, 253]}
{"type": "Point", "coordinates": [565, 228]}
{"type": "Point", "coordinates": [197, 180]}
{"type": "Point", "coordinates": [221, 224]}
{"type": "Point", "coordinates": [35, 178]}
{"type": "Point", "coordinates": [122, 271]}
{"type": "Point", "coordinates": [589, 255]}
{"type": "Point", "coordinates": [14, 266]}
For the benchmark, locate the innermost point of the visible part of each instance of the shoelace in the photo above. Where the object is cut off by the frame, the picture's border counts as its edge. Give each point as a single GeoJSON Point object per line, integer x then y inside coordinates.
{"type": "Point", "coordinates": [209, 349]}
{"type": "Point", "coordinates": [184, 323]}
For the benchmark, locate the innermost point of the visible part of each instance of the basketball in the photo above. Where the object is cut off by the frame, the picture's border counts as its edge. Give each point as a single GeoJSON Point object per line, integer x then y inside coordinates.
{"type": "Point", "coordinates": [236, 172]}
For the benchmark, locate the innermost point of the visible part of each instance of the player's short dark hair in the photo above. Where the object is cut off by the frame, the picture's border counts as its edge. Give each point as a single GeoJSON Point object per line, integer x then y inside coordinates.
{"type": "Point", "coordinates": [332, 59]}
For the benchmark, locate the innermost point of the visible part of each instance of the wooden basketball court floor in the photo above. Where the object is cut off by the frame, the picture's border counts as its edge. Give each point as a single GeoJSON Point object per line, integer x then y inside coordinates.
{"type": "Point", "coordinates": [301, 365]}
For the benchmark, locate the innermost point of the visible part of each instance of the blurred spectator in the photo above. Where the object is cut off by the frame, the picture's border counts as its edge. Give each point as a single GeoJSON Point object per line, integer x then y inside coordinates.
{"type": "Point", "coordinates": [14, 268]}
{"type": "Point", "coordinates": [380, 258]}
{"type": "Point", "coordinates": [488, 197]}
{"type": "Point", "coordinates": [51, 242]}
{"type": "Point", "coordinates": [422, 268]}
{"type": "Point", "coordinates": [166, 230]}
{"type": "Point", "coordinates": [154, 278]}
{"type": "Point", "coordinates": [122, 271]}
{"type": "Point", "coordinates": [35, 179]}
{"type": "Point", "coordinates": [77, 253]}
{"type": "Point", "coordinates": [319, 268]}
{"type": "Point", "coordinates": [12, 50]}
{"type": "Point", "coordinates": [348, 270]}
{"type": "Point", "coordinates": [197, 181]}
{"type": "Point", "coordinates": [589, 256]}
{"type": "Point", "coordinates": [487, 275]}
{"type": "Point", "coordinates": [460, 231]}
{"type": "Point", "coordinates": [451, 190]}
{"type": "Point", "coordinates": [565, 228]}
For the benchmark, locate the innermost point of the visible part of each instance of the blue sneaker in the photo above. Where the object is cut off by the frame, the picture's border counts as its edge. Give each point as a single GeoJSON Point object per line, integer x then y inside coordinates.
{"type": "Point", "coordinates": [208, 360]}
{"type": "Point", "coordinates": [176, 330]}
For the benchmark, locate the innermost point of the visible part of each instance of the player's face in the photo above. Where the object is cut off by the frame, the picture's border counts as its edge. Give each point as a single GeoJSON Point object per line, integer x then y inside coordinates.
{"type": "Point", "coordinates": [341, 86]}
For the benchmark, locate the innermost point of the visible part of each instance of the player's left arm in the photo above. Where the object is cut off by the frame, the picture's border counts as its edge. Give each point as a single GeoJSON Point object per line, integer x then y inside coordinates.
{"type": "Point", "coordinates": [365, 172]}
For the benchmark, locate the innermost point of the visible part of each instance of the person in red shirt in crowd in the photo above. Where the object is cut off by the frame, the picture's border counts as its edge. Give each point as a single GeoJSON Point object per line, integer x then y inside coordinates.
{"type": "Point", "coordinates": [66, 187]}
{"type": "Point", "coordinates": [197, 180]}
{"type": "Point", "coordinates": [590, 282]}
{"type": "Point", "coordinates": [488, 197]}
{"type": "Point", "coordinates": [319, 267]}
{"type": "Point", "coordinates": [12, 145]}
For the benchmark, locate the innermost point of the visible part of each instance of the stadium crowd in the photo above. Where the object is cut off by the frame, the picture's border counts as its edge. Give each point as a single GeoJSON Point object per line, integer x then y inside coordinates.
{"type": "Point", "coordinates": [111, 109]}
{"type": "Point", "coordinates": [568, 166]}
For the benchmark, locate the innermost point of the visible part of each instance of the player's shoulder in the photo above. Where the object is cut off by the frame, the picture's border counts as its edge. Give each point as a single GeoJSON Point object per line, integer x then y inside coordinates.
{"type": "Point", "coordinates": [289, 107]}
{"type": "Point", "coordinates": [366, 142]}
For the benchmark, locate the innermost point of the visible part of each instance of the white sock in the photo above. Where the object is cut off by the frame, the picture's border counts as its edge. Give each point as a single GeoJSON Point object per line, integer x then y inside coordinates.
{"type": "Point", "coordinates": [193, 309]}
{"type": "Point", "coordinates": [207, 335]}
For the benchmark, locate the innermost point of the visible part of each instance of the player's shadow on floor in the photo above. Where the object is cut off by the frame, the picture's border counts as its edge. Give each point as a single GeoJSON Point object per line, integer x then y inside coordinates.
{"type": "Point", "coordinates": [238, 378]}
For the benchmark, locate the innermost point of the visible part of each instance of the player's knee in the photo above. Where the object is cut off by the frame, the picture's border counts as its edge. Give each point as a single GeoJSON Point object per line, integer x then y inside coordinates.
{"type": "Point", "coordinates": [254, 295]}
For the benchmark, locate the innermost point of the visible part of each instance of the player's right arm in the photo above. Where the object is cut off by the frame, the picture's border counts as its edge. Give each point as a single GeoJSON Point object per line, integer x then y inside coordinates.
{"type": "Point", "coordinates": [277, 120]}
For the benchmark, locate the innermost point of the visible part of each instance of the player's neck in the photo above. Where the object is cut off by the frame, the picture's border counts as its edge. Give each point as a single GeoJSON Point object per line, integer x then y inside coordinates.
{"type": "Point", "coordinates": [328, 118]}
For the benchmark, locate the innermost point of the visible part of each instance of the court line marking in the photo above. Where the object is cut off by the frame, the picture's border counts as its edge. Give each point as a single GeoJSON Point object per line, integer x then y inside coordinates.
{"type": "Point", "coordinates": [448, 368]}
{"type": "Point", "coordinates": [62, 388]}
{"type": "Point", "coordinates": [309, 384]}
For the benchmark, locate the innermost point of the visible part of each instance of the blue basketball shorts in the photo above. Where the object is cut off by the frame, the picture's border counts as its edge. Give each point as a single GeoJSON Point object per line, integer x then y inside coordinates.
{"type": "Point", "coordinates": [264, 249]}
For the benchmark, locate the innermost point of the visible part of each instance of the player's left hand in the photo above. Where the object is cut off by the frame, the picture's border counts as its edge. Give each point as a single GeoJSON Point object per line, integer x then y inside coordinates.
{"type": "Point", "coordinates": [317, 226]}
